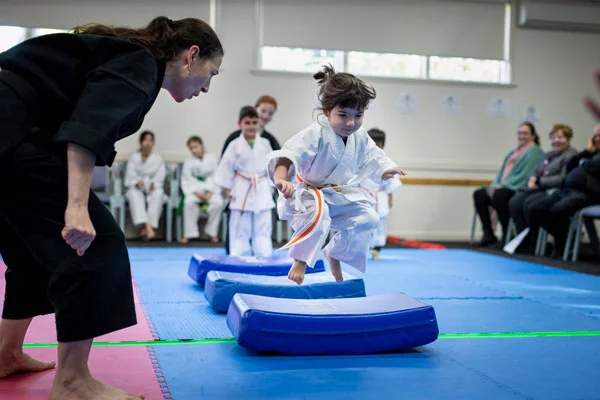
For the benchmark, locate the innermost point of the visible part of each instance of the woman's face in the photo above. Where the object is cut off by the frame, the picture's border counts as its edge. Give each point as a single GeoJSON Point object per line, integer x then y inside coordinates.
{"type": "Point", "coordinates": [524, 135]}
{"type": "Point", "coordinates": [559, 141]}
{"type": "Point", "coordinates": [147, 144]}
{"type": "Point", "coordinates": [265, 113]}
{"type": "Point", "coordinates": [189, 75]}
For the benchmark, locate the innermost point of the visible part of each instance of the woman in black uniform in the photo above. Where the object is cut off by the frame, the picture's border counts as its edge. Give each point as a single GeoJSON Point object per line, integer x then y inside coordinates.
{"type": "Point", "coordinates": [66, 99]}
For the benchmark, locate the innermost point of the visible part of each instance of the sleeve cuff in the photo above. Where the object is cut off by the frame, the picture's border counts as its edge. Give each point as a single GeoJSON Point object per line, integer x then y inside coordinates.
{"type": "Point", "coordinates": [85, 136]}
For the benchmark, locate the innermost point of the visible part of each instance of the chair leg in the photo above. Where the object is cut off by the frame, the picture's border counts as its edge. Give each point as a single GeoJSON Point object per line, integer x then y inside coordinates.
{"type": "Point", "coordinates": [224, 227]}
{"type": "Point", "coordinates": [578, 232]}
{"type": "Point", "coordinates": [540, 242]}
{"type": "Point", "coordinates": [510, 230]}
{"type": "Point", "coordinates": [570, 237]}
{"type": "Point", "coordinates": [122, 215]}
{"type": "Point", "coordinates": [473, 228]}
{"type": "Point", "coordinates": [179, 228]}
{"type": "Point", "coordinates": [169, 224]}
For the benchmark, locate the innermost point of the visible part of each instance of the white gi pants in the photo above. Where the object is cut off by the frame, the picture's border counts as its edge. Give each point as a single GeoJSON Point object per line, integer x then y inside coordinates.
{"type": "Point", "coordinates": [250, 233]}
{"type": "Point", "coordinates": [191, 214]}
{"type": "Point", "coordinates": [380, 234]}
{"type": "Point", "coordinates": [145, 207]}
{"type": "Point", "coordinates": [354, 223]}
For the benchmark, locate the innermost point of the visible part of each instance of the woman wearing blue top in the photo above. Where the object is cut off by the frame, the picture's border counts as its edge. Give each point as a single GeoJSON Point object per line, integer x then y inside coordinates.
{"type": "Point", "coordinates": [514, 174]}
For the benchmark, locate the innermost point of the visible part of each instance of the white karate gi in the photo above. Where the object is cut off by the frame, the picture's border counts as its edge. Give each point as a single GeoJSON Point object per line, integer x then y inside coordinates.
{"type": "Point", "coordinates": [145, 205]}
{"type": "Point", "coordinates": [193, 169]}
{"type": "Point", "coordinates": [380, 193]}
{"type": "Point", "coordinates": [243, 170]}
{"type": "Point", "coordinates": [328, 195]}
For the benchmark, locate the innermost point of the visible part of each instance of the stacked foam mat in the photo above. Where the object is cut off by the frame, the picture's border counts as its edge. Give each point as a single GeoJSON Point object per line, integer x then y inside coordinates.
{"type": "Point", "coordinates": [267, 312]}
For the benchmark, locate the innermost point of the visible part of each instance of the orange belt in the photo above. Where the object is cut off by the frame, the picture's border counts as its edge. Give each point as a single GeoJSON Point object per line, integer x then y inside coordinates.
{"type": "Point", "coordinates": [253, 179]}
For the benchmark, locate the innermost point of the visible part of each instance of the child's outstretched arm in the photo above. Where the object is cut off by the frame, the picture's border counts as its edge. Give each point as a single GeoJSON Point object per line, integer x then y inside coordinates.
{"type": "Point", "coordinates": [281, 170]}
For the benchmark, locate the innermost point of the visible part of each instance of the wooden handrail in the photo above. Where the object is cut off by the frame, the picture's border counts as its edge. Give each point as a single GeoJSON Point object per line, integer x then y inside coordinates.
{"type": "Point", "coordinates": [445, 182]}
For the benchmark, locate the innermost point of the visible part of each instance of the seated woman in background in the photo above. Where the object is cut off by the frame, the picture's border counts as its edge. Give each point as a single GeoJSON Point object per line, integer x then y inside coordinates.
{"type": "Point", "coordinates": [144, 179]}
{"type": "Point", "coordinates": [199, 189]}
{"type": "Point", "coordinates": [518, 165]}
{"type": "Point", "coordinates": [548, 175]}
{"type": "Point", "coordinates": [581, 188]}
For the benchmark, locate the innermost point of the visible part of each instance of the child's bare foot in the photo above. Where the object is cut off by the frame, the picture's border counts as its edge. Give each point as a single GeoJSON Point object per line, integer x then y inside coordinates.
{"type": "Point", "coordinates": [14, 364]}
{"type": "Point", "coordinates": [84, 388]}
{"type": "Point", "coordinates": [150, 232]}
{"type": "Point", "coordinates": [214, 240]}
{"type": "Point", "coordinates": [184, 240]}
{"type": "Point", "coordinates": [297, 272]}
{"type": "Point", "coordinates": [375, 254]}
{"type": "Point", "coordinates": [336, 269]}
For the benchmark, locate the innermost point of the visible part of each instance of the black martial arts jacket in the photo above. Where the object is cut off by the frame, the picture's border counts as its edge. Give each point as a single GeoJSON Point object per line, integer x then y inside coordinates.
{"type": "Point", "coordinates": [91, 90]}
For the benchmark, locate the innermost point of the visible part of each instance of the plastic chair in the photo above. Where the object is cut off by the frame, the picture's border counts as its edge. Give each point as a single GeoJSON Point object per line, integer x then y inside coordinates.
{"type": "Point", "coordinates": [587, 215]}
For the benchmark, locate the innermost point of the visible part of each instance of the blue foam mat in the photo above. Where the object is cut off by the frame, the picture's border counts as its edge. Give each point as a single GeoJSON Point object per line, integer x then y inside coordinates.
{"type": "Point", "coordinates": [222, 286]}
{"type": "Point", "coordinates": [331, 326]}
{"type": "Point", "coordinates": [452, 369]}
{"type": "Point", "coordinates": [200, 265]}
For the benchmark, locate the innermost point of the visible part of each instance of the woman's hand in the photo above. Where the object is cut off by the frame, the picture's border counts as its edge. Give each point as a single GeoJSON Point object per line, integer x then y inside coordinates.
{"type": "Point", "coordinates": [532, 184]}
{"type": "Point", "coordinates": [151, 188]}
{"type": "Point", "coordinates": [591, 104]}
{"type": "Point", "coordinates": [390, 173]}
{"type": "Point", "coordinates": [79, 231]}
{"type": "Point", "coordinates": [139, 185]}
{"type": "Point", "coordinates": [286, 188]}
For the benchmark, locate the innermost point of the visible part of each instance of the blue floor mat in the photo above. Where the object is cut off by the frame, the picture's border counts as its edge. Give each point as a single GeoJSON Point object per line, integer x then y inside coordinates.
{"type": "Point", "coordinates": [228, 372]}
{"type": "Point", "coordinates": [463, 369]}
{"type": "Point", "coordinates": [475, 316]}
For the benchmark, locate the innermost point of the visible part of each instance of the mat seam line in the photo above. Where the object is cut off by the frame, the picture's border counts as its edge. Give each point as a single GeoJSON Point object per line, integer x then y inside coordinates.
{"type": "Point", "coordinates": [160, 377]}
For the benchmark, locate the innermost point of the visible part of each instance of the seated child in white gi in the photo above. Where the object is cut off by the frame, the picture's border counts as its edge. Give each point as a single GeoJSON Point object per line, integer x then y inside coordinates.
{"type": "Point", "coordinates": [382, 194]}
{"type": "Point", "coordinates": [145, 175]}
{"type": "Point", "coordinates": [330, 159]}
{"type": "Point", "coordinates": [199, 189]}
{"type": "Point", "coordinates": [242, 172]}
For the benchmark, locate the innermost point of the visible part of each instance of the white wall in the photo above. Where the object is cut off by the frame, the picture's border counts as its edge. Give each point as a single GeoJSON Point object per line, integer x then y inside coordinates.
{"type": "Point", "coordinates": [551, 69]}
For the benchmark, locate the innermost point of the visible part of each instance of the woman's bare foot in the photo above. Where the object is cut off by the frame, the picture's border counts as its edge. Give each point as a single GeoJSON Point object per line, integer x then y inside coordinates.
{"type": "Point", "coordinates": [336, 269]}
{"type": "Point", "coordinates": [214, 240]}
{"type": "Point", "coordinates": [297, 272]}
{"type": "Point", "coordinates": [84, 388]}
{"type": "Point", "coordinates": [14, 364]}
{"type": "Point", "coordinates": [143, 233]}
{"type": "Point", "coordinates": [184, 240]}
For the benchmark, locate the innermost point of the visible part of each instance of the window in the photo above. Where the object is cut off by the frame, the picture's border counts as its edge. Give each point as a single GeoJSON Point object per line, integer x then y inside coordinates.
{"type": "Point", "coordinates": [466, 69]}
{"type": "Point", "coordinates": [11, 36]}
{"type": "Point", "coordinates": [43, 31]}
{"type": "Point", "coordinates": [386, 64]}
{"type": "Point", "coordinates": [299, 60]}
{"type": "Point", "coordinates": [449, 40]}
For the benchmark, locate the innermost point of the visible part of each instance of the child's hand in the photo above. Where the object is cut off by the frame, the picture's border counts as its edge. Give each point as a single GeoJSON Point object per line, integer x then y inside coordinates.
{"type": "Point", "coordinates": [228, 193]}
{"type": "Point", "coordinates": [286, 188]}
{"type": "Point", "coordinates": [390, 173]}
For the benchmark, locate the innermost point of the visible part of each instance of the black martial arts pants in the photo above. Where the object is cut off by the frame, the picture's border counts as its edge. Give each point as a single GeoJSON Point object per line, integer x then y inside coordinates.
{"type": "Point", "coordinates": [499, 201]}
{"type": "Point", "coordinates": [91, 295]}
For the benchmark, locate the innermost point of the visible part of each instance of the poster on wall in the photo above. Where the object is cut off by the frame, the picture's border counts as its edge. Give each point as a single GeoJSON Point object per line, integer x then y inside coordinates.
{"type": "Point", "coordinates": [498, 107]}
{"type": "Point", "coordinates": [407, 103]}
{"type": "Point", "coordinates": [531, 113]}
{"type": "Point", "coordinates": [450, 104]}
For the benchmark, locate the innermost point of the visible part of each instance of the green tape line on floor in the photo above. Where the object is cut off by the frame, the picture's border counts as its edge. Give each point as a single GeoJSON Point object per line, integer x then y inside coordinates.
{"type": "Point", "coordinates": [499, 335]}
